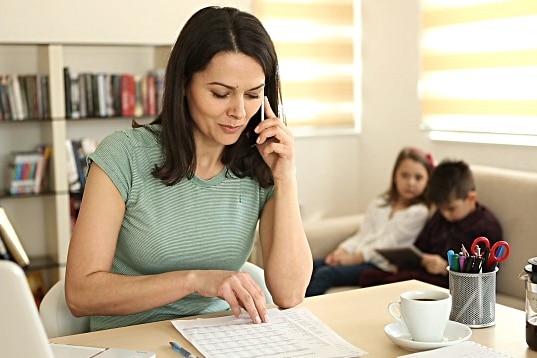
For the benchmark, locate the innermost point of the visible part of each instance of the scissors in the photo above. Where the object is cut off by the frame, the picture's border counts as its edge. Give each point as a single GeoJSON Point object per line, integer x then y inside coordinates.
{"type": "Point", "coordinates": [493, 255]}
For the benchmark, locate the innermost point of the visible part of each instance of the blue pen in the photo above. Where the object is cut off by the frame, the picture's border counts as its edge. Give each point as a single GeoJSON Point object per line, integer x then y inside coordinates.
{"type": "Point", "coordinates": [450, 254]}
{"type": "Point", "coordinates": [181, 350]}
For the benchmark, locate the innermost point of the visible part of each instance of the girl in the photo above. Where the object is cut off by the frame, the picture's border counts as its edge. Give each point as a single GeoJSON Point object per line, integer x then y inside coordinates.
{"type": "Point", "coordinates": [393, 219]}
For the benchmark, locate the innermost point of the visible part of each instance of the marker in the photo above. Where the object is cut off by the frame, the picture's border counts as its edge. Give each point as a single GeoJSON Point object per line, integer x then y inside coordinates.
{"type": "Point", "coordinates": [450, 255]}
{"type": "Point", "coordinates": [455, 263]}
{"type": "Point", "coordinates": [462, 263]}
{"type": "Point", "coordinates": [181, 350]}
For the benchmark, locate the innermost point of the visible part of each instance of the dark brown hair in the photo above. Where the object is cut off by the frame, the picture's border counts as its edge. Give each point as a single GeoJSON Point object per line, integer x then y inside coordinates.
{"type": "Point", "coordinates": [451, 179]}
{"type": "Point", "coordinates": [417, 155]}
{"type": "Point", "coordinates": [208, 32]}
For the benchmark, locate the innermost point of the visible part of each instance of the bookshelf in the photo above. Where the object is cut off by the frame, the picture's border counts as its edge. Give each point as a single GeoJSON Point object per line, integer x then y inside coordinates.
{"type": "Point", "coordinates": [42, 221]}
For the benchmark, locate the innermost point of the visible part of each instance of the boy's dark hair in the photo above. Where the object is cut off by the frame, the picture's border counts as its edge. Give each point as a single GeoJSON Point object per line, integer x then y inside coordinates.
{"type": "Point", "coordinates": [450, 180]}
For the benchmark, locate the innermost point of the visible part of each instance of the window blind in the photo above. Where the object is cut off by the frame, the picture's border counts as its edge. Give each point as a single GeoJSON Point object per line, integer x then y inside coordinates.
{"type": "Point", "coordinates": [314, 40]}
{"type": "Point", "coordinates": [479, 70]}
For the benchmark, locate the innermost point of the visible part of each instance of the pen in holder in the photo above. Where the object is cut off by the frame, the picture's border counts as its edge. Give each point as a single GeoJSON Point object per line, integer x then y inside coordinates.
{"type": "Point", "coordinates": [473, 298]}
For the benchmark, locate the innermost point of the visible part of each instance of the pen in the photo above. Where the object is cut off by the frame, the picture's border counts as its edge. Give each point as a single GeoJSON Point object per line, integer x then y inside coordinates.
{"type": "Point", "coordinates": [450, 254]}
{"type": "Point", "coordinates": [470, 262]}
{"type": "Point", "coordinates": [462, 262]}
{"type": "Point", "coordinates": [476, 266]}
{"type": "Point", "coordinates": [455, 263]}
{"type": "Point", "coordinates": [464, 251]}
{"type": "Point", "coordinates": [181, 350]}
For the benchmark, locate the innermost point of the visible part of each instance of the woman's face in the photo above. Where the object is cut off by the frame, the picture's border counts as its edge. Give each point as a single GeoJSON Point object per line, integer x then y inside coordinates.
{"type": "Point", "coordinates": [223, 97]}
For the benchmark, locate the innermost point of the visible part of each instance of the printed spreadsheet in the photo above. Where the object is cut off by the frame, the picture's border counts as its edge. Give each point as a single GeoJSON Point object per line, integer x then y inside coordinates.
{"type": "Point", "coordinates": [289, 333]}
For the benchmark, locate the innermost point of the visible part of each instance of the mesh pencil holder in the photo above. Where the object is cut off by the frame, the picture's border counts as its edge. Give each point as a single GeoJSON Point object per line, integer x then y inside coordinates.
{"type": "Point", "coordinates": [473, 298]}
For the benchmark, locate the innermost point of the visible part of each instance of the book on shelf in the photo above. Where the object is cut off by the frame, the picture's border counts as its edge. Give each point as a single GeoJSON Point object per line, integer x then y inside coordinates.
{"type": "Point", "coordinates": [22, 169]}
{"type": "Point", "coordinates": [24, 97]}
{"type": "Point", "coordinates": [90, 102]}
{"type": "Point", "coordinates": [27, 171]}
{"type": "Point", "coordinates": [128, 95]}
{"type": "Point", "coordinates": [67, 92]}
{"type": "Point", "coordinates": [5, 107]}
{"type": "Point", "coordinates": [80, 161]}
{"type": "Point", "coordinates": [11, 240]}
{"type": "Point", "coordinates": [20, 104]}
{"type": "Point", "coordinates": [105, 95]}
{"type": "Point", "coordinates": [41, 171]}
{"type": "Point", "coordinates": [29, 92]}
{"type": "Point", "coordinates": [71, 167]}
{"type": "Point", "coordinates": [101, 92]}
{"type": "Point", "coordinates": [139, 96]}
{"type": "Point", "coordinates": [77, 151]}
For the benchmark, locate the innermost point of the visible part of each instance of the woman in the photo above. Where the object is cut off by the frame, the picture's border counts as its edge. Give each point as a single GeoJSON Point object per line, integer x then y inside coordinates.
{"type": "Point", "coordinates": [170, 209]}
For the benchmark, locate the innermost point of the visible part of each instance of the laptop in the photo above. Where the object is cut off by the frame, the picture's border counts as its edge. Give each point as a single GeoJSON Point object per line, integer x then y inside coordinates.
{"type": "Point", "coordinates": [22, 333]}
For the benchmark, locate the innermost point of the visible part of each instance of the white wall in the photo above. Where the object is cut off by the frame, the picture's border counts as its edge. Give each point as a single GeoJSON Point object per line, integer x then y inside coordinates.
{"type": "Point", "coordinates": [337, 174]}
{"type": "Point", "coordinates": [391, 105]}
{"type": "Point", "coordinates": [99, 21]}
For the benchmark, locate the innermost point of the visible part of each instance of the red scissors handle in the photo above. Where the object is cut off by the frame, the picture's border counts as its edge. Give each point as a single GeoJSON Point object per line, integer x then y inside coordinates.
{"type": "Point", "coordinates": [500, 251]}
{"type": "Point", "coordinates": [476, 242]}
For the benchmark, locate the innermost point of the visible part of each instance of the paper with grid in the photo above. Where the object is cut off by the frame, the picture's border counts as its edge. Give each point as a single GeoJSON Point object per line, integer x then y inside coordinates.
{"type": "Point", "coordinates": [289, 333]}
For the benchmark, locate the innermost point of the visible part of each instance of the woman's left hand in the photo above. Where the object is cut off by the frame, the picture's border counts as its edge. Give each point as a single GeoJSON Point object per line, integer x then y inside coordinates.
{"type": "Point", "coordinates": [276, 144]}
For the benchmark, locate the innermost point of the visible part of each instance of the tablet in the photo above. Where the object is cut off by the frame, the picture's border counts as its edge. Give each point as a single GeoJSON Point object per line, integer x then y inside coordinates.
{"type": "Point", "coordinates": [405, 258]}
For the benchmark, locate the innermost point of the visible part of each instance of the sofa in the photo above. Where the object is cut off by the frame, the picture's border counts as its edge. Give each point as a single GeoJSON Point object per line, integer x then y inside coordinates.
{"type": "Point", "coordinates": [510, 194]}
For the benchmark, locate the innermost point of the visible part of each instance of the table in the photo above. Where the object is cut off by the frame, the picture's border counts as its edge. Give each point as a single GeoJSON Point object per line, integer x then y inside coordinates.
{"type": "Point", "coordinates": [359, 316]}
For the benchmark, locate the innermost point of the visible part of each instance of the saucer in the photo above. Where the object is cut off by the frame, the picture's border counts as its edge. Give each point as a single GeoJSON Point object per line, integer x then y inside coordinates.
{"type": "Point", "coordinates": [455, 333]}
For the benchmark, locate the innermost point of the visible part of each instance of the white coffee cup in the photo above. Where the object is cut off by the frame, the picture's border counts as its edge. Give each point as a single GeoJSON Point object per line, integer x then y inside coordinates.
{"type": "Point", "coordinates": [425, 313]}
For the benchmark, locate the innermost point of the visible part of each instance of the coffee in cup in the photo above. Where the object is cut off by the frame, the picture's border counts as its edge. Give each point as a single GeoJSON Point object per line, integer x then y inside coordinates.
{"type": "Point", "coordinates": [425, 313]}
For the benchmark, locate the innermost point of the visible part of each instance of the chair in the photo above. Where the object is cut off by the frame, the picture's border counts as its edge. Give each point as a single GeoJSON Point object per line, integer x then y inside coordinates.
{"type": "Point", "coordinates": [59, 321]}
{"type": "Point", "coordinates": [258, 274]}
{"type": "Point", "coordinates": [56, 316]}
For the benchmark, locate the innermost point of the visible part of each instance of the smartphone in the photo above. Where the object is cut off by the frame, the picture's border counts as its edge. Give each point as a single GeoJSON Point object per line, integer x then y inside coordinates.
{"type": "Point", "coordinates": [262, 109]}
{"type": "Point", "coordinates": [256, 119]}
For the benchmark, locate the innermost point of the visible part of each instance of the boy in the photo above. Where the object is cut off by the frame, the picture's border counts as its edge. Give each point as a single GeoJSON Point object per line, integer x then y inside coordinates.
{"type": "Point", "coordinates": [458, 220]}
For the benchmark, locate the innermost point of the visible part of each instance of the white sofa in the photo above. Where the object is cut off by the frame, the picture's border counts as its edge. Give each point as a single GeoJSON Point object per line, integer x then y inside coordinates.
{"type": "Point", "coordinates": [510, 194]}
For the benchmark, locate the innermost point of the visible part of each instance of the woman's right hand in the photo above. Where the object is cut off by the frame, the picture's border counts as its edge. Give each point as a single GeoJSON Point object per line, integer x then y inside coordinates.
{"type": "Point", "coordinates": [238, 289]}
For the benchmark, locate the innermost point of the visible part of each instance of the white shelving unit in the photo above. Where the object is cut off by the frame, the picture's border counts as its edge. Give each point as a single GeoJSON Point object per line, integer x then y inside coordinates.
{"type": "Point", "coordinates": [43, 221]}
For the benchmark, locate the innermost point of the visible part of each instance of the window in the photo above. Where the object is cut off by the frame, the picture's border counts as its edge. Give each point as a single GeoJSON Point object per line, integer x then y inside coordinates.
{"type": "Point", "coordinates": [315, 44]}
{"type": "Point", "coordinates": [479, 70]}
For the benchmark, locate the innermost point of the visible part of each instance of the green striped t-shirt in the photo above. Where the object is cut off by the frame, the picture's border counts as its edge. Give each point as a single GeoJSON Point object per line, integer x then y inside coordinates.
{"type": "Point", "coordinates": [195, 224]}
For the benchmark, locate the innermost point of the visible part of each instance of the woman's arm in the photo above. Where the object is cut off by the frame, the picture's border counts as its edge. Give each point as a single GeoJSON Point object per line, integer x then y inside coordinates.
{"type": "Point", "coordinates": [91, 289]}
{"type": "Point", "coordinates": [286, 253]}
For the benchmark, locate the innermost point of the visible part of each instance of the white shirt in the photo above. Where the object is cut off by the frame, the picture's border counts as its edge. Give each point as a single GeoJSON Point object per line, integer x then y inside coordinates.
{"type": "Point", "coordinates": [379, 230]}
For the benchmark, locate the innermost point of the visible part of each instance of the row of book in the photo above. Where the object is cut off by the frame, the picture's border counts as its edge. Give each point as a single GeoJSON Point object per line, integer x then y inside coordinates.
{"type": "Point", "coordinates": [24, 97]}
{"type": "Point", "coordinates": [27, 171]}
{"type": "Point", "coordinates": [90, 95]}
